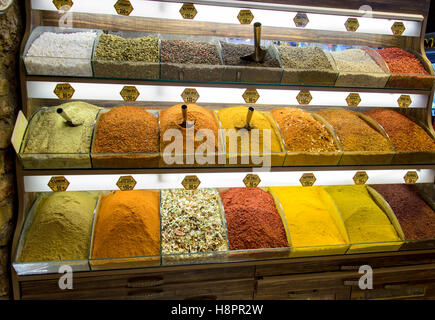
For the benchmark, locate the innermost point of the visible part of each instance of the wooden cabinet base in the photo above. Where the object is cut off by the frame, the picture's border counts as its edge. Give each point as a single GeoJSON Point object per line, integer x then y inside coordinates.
{"type": "Point", "coordinates": [396, 275]}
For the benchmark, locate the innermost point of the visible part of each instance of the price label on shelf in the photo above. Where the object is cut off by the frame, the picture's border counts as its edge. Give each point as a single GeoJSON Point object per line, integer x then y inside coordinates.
{"type": "Point", "coordinates": [64, 91]}
{"type": "Point", "coordinates": [190, 95]}
{"type": "Point", "coordinates": [353, 100]}
{"type": "Point", "coordinates": [304, 97]}
{"type": "Point", "coordinates": [188, 11]}
{"type": "Point", "coordinates": [250, 95]}
{"type": "Point", "coordinates": [129, 93]}
{"type": "Point", "coordinates": [398, 28]}
{"type": "Point", "coordinates": [58, 184]}
{"type": "Point", "coordinates": [360, 177]}
{"type": "Point", "coordinates": [411, 177]}
{"type": "Point", "coordinates": [123, 7]}
{"type": "Point", "coordinates": [191, 182]}
{"type": "Point", "coordinates": [307, 179]}
{"type": "Point", "coordinates": [126, 183]}
{"type": "Point", "coordinates": [251, 180]}
{"type": "Point", "coordinates": [404, 101]}
{"type": "Point", "coordinates": [62, 4]}
{"type": "Point", "coordinates": [351, 24]}
{"type": "Point", "coordinates": [301, 20]}
{"type": "Point", "coordinates": [245, 16]}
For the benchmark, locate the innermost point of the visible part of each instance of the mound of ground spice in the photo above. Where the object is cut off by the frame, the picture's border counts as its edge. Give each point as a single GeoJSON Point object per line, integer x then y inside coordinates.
{"type": "Point", "coordinates": [405, 134]}
{"type": "Point", "coordinates": [252, 219]}
{"type": "Point", "coordinates": [301, 132]}
{"type": "Point", "coordinates": [127, 129]}
{"type": "Point", "coordinates": [128, 225]}
{"type": "Point", "coordinates": [354, 133]}
{"type": "Point", "coordinates": [401, 61]}
{"type": "Point", "coordinates": [416, 218]}
{"type": "Point", "coordinates": [202, 118]}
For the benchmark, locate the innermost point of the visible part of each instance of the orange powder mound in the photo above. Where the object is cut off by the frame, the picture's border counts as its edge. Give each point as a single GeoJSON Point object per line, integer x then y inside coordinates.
{"type": "Point", "coordinates": [172, 117]}
{"type": "Point", "coordinates": [127, 129]}
{"type": "Point", "coordinates": [128, 225]}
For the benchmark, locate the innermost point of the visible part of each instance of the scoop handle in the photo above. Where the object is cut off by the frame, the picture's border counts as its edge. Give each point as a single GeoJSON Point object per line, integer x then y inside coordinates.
{"type": "Point", "coordinates": [64, 115]}
{"type": "Point", "coordinates": [249, 116]}
{"type": "Point", "coordinates": [257, 40]}
{"type": "Point", "coordinates": [184, 112]}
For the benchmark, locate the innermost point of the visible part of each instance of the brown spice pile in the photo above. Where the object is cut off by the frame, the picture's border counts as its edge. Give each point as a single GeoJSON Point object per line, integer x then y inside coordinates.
{"type": "Point", "coordinates": [127, 129]}
{"type": "Point", "coordinates": [354, 133]}
{"type": "Point", "coordinates": [202, 118]}
{"type": "Point", "coordinates": [301, 132]}
{"type": "Point", "coordinates": [405, 134]}
{"type": "Point", "coordinates": [416, 218]}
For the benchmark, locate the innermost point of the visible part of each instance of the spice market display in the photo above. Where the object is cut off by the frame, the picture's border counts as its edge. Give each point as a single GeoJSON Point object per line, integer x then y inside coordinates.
{"type": "Point", "coordinates": [170, 158]}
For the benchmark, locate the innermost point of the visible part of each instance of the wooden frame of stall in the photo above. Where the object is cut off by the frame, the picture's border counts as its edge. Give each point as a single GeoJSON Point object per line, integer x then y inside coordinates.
{"type": "Point", "coordinates": [402, 274]}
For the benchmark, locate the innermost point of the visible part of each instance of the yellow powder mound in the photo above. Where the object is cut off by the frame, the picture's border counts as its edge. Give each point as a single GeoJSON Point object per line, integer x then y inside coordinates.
{"type": "Point", "coordinates": [364, 220]}
{"type": "Point", "coordinates": [311, 216]}
{"type": "Point", "coordinates": [234, 117]}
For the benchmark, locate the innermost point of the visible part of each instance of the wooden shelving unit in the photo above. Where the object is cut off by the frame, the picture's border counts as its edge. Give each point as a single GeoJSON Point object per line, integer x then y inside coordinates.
{"type": "Point", "coordinates": [402, 274]}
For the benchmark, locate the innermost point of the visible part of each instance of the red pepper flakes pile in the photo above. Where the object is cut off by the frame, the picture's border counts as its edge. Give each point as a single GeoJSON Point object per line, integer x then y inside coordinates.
{"type": "Point", "coordinates": [401, 61]}
{"type": "Point", "coordinates": [405, 134]}
{"type": "Point", "coordinates": [252, 219]}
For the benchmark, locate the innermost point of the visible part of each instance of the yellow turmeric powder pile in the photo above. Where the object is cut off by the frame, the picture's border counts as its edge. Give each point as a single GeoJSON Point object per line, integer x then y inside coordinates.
{"type": "Point", "coordinates": [128, 225]}
{"type": "Point", "coordinates": [364, 220]}
{"type": "Point", "coordinates": [235, 117]}
{"type": "Point", "coordinates": [311, 216]}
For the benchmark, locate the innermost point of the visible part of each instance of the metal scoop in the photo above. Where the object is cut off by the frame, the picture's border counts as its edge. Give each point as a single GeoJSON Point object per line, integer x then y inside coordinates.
{"type": "Point", "coordinates": [68, 119]}
{"type": "Point", "coordinates": [247, 125]}
{"type": "Point", "coordinates": [259, 54]}
{"type": "Point", "coordinates": [185, 123]}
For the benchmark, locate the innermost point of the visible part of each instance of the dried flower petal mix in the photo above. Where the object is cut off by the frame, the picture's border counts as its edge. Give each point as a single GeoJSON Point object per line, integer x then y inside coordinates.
{"type": "Point", "coordinates": [192, 221]}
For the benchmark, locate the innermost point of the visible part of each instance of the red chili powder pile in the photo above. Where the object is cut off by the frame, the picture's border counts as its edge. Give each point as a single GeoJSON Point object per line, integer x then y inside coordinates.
{"type": "Point", "coordinates": [405, 134]}
{"type": "Point", "coordinates": [401, 61]}
{"type": "Point", "coordinates": [252, 219]}
{"type": "Point", "coordinates": [127, 129]}
{"type": "Point", "coordinates": [416, 218]}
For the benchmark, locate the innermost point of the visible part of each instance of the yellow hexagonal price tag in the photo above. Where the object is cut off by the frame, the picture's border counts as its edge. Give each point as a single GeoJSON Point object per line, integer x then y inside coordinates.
{"type": "Point", "coordinates": [188, 11]}
{"type": "Point", "coordinates": [398, 28]}
{"type": "Point", "coordinates": [404, 101]}
{"type": "Point", "coordinates": [304, 97]}
{"type": "Point", "coordinates": [351, 24]}
{"type": "Point", "coordinates": [191, 182]}
{"type": "Point", "coordinates": [307, 179]}
{"type": "Point", "coordinates": [125, 183]}
{"type": "Point", "coordinates": [360, 177]}
{"type": "Point", "coordinates": [251, 180]}
{"type": "Point", "coordinates": [64, 91]}
{"type": "Point", "coordinates": [251, 95]}
{"type": "Point", "coordinates": [62, 4]}
{"type": "Point", "coordinates": [301, 20]}
{"type": "Point", "coordinates": [129, 93]}
{"type": "Point", "coordinates": [245, 16]}
{"type": "Point", "coordinates": [123, 7]}
{"type": "Point", "coordinates": [58, 184]}
{"type": "Point", "coordinates": [411, 177]}
{"type": "Point", "coordinates": [190, 95]}
{"type": "Point", "coordinates": [353, 100]}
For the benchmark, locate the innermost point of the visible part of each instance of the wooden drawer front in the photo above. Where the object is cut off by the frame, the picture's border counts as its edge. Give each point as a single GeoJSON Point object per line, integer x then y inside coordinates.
{"type": "Point", "coordinates": [212, 290]}
{"type": "Point", "coordinates": [320, 286]}
{"type": "Point", "coordinates": [412, 282]}
{"type": "Point", "coordinates": [134, 280]}
{"type": "Point", "coordinates": [340, 263]}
